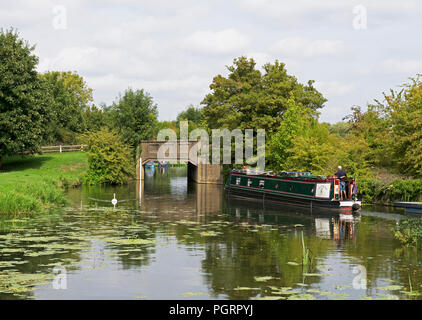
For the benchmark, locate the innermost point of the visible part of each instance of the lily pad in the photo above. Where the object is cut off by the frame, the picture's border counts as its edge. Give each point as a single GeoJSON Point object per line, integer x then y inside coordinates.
{"type": "Point", "coordinates": [262, 279]}
{"type": "Point", "coordinates": [270, 298]}
{"type": "Point", "coordinates": [302, 296]}
{"type": "Point", "coordinates": [245, 288]}
{"type": "Point", "coordinates": [390, 288]}
{"type": "Point", "coordinates": [187, 294]}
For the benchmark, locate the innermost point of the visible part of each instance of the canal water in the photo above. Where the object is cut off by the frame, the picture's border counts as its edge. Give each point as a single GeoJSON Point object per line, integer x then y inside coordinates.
{"type": "Point", "coordinates": [173, 239]}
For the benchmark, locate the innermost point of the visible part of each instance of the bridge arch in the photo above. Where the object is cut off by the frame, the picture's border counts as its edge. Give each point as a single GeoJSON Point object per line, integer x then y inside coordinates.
{"type": "Point", "coordinates": [198, 172]}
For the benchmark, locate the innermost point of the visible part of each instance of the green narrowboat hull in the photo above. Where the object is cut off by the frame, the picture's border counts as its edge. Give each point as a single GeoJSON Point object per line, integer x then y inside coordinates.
{"type": "Point", "coordinates": [311, 191]}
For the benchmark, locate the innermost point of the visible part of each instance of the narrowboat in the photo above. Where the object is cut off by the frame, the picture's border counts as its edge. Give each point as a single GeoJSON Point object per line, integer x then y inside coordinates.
{"type": "Point", "coordinates": [298, 188]}
{"type": "Point", "coordinates": [150, 165]}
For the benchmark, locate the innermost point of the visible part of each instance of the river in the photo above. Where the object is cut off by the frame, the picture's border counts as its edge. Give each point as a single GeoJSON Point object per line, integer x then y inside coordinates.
{"type": "Point", "coordinates": [173, 239]}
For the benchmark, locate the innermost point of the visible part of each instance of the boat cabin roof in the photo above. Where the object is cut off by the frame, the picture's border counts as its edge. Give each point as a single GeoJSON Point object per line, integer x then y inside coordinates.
{"type": "Point", "coordinates": [283, 174]}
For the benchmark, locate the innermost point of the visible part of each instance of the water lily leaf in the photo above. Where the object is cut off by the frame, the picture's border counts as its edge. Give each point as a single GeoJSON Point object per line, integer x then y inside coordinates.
{"type": "Point", "coordinates": [209, 234]}
{"type": "Point", "coordinates": [390, 288]}
{"type": "Point", "coordinates": [412, 293]}
{"type": "Point", "coordinates": [187, 294]}
{"type": "Point", "coordinates": [261, 279]}
{"type": "Point", "coordinates": [313, 290]}
{"type": "Point", "coordinates": [303, 296]}
{"type": "Point", "coordinates": [302, 284]}
{"type": "Point", "coordinates": [270, 298]}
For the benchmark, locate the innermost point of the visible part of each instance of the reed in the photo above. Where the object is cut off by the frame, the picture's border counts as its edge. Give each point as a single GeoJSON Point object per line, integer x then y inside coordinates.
{"type": "Point", "coordinates": [306, 254]}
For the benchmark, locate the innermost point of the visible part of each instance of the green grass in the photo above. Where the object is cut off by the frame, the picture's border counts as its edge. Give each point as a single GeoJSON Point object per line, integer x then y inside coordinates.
{"type": "Point", "coordinates": [31, 184]}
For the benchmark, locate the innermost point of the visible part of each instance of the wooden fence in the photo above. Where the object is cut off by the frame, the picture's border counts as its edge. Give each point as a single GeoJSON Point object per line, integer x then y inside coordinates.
{"type": "Point", "coordinates": [63, 148]}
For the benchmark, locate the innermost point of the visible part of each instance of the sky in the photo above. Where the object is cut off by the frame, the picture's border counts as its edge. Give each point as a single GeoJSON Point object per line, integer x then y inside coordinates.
{"type": "Point", "coordinates": [353, 50]}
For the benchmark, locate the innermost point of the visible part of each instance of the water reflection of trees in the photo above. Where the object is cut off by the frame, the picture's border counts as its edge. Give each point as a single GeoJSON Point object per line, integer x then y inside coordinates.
{"type": "Point", "coordinates": [235, 258]}
{"type": "Point", "coordinates": [238, 254]}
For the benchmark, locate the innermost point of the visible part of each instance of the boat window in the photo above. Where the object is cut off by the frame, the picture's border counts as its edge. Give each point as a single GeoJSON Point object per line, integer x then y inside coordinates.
{"type": "Point", "coordinates": [237, 180]}
{"type": "Point", "coordinates": [261, 183]}
{"type": "Point", "coordinates": [249, 182]}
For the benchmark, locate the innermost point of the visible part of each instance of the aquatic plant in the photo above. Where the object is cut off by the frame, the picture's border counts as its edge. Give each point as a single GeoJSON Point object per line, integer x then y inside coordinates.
{"type": "Point", "coordinates": [306, 254]}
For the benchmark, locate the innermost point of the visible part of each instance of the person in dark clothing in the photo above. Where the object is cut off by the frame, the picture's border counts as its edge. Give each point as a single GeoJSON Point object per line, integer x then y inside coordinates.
{"type": "Point", "coordinates": [341, 174]}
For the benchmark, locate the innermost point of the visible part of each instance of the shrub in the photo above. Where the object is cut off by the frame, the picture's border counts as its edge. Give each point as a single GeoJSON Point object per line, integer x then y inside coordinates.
{"type": "Point", "coordinates": [371, 190]}
{"type": "Point", "coordinates": [409, 231]}
{"type": "Point", "coordinates": [109, 159]}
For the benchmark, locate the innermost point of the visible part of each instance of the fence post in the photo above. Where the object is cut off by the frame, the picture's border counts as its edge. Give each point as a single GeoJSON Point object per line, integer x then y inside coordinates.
{"type": "Point", "coordinates": [60, 148]}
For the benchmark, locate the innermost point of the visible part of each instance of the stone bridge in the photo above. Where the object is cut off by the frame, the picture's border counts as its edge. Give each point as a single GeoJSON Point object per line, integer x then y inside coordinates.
{"type": "Point", "coordinates": [197, 171]}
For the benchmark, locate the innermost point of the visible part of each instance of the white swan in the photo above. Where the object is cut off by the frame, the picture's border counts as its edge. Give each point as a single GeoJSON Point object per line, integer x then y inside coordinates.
{"type": "Point", "coordinates": [114, 200]}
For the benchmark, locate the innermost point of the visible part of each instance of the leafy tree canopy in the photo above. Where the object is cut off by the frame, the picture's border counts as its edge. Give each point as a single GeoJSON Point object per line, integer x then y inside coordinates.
{"type": "Point", "coordinates": [24, 99]}
{"type": "Point", "coordinates": [135, 116]}
{"type": "Point", "coordinates": [247, 98]}
{"type": "Point", "coordinates": [192, 114]}
{"type": "Point", "coordinates": [72, 97]}
{"type": "Point", "coordinates": [403, 111]}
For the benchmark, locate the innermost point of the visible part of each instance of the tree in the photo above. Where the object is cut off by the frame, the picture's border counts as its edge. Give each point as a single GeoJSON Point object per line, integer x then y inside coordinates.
{"type": "Point", "coordinates": [341, 129]}
{"type": "Point", "coordinates": [405, 111]}
{"type": "Point", "coordinates": [95, 118]}
{"type": "Point", "coordinates": [72, 97]}
{"type": "Point", "coordinates": [191, 114]}
{"type": "Point", "coordinates": [373, 126]}
{"type": "Point", "coordinates": [24, 98]}
{"type": "Point", "coordinates": [194, 116]}
{"type": "Point", "coordinates": [135, 116]}
{"type": "Point", "coordinates": [301, 143]}
{"type": "Point", "coordinates": [248, 99]}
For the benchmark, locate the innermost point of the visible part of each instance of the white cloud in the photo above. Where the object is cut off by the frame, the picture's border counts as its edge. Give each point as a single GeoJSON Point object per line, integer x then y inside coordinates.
{"type": "Point", "coordinates": [334, 88]}
{"type": "Point", "coordinates": [224, 41]}
{"type": "Point", "coordinates": [411, 67]}
{"type": "Point", "coordinates": [93, 60]}
{"type": "Point", "coordinates": [306, 48]}
{"type": "Point", "coordinates": [260, 58]}
{"type": "Point", "coordinates": [173, 49]}
{"type": "Point", "coordinates": [316, 10]}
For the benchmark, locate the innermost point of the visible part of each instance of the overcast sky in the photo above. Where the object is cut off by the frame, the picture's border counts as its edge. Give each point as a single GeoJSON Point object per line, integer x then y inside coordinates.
{"type": "Point", "coordinates": [173, 49]}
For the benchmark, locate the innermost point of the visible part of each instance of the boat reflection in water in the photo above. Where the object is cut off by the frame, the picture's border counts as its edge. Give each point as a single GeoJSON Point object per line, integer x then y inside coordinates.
{"type": "Point", "coordinates": [326, 225]}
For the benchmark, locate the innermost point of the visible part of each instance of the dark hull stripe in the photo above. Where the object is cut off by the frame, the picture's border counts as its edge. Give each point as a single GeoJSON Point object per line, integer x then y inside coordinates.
{"type": "Point", "coordinates": [266, 191]}
{"type": "Point", "coordinates": [287, 199]}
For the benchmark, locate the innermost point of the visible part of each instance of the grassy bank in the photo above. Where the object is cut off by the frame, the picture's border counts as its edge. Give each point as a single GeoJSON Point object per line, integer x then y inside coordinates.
{"type": "Point", "coordinates": [33, 183]}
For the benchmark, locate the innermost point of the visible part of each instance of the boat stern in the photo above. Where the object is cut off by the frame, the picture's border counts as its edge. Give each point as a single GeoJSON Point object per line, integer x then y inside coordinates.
{"type": "Point", "coordinates": [350, 205]}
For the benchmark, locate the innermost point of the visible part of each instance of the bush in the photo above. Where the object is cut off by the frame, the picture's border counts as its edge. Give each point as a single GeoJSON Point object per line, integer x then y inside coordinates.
{"type": "Point", "coordinates": [371, 190]}
{"type": "Point", "coordinates": [409, 231]}
{"type": "Point", "coordinates": [109, 159]}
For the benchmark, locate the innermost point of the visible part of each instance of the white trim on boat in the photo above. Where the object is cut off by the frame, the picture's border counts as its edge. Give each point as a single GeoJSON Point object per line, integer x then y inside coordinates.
{"type": "Point", "coordinates": [349, 203]}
